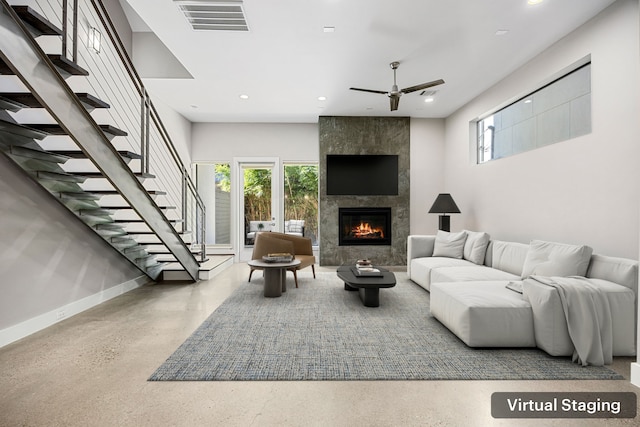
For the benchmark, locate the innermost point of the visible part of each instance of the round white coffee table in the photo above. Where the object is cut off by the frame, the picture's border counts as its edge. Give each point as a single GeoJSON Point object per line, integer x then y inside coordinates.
{"type": "Point", "coordinates": [275, 275]}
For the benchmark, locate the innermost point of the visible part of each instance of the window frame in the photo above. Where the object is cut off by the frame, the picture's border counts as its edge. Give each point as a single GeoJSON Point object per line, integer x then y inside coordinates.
{"type": "Point", "coordinates": [480, 132]}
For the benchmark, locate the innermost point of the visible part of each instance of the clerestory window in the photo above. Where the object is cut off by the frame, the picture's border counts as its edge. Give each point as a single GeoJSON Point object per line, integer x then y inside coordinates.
{"type": "Point", "coordinates": [558, 111]}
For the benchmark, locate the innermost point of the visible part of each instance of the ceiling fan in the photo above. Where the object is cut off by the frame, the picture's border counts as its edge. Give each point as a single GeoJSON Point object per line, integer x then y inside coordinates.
{"type": "Point", "coordinates": [395, 94]}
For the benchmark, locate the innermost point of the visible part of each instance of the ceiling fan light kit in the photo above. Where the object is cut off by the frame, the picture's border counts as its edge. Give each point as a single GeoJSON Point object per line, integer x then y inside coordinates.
{"type": "Point", "coordinates": [394, 94]}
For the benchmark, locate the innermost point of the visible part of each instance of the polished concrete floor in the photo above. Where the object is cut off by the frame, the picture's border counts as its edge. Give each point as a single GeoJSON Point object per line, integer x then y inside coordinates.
{"type": "Point", "coordinates": [92, 370]}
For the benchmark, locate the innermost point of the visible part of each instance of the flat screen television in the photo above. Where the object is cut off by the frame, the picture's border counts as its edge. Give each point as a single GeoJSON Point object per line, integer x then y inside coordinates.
{"type": "Point", "coordinates": [362, 175]}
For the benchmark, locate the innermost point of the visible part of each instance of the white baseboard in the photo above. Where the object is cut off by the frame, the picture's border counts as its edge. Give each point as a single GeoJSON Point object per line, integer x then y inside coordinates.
{"type": "Point", "coordinates": [38, 323]}
{"type": "Point", "coordinates": [635, 374]}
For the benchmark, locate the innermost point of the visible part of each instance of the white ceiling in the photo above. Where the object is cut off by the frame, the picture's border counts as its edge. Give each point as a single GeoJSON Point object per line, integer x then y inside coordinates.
{"type": "Point", "coordinates": [286, 60]}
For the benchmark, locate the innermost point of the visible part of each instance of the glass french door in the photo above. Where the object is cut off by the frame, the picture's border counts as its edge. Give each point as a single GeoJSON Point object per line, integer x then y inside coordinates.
{"type": "Point", "coordinates": [258, 201]}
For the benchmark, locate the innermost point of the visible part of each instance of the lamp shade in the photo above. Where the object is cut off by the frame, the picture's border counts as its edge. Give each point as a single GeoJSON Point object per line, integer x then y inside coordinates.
{"type": "Point", "coordinates": [444, 204]}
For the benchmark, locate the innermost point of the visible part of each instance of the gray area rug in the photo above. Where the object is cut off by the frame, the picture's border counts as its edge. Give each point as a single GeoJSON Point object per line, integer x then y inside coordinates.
{"type": "Point", "coordinates": [322, 332]}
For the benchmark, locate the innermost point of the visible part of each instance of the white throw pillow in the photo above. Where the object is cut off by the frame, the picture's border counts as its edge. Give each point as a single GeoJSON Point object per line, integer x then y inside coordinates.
{"type": "Point", "coordinates": [450, 245]}
{"type": "Point", "coordinates": [475, 247]}
{"type": "Point", "coordinates": [556, 259]}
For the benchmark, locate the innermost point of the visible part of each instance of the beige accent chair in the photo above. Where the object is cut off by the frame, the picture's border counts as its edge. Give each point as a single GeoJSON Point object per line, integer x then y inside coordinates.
{"type": "Point", "coordinates": [273, 242]}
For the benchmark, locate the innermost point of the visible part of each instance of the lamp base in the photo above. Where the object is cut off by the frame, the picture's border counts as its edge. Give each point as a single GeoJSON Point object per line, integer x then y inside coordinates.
{"type": "Point", "coordinates": [444, 223]}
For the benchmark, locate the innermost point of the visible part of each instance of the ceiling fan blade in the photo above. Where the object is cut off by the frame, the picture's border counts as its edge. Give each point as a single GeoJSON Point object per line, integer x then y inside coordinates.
{"type": "Point", "coordinates": [383, 92]}
{"type": "Point", "coordinates": [395, 101]}
{"type": "Point", "coordinates": [422, 86]}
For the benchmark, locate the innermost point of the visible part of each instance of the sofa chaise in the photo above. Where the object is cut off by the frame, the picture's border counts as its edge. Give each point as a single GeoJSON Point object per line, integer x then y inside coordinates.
{"type": "Point", "coordinates": [510, 294]}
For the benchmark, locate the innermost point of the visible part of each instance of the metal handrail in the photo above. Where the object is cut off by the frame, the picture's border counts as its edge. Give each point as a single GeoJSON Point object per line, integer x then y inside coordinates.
{"type": "Point", "coordinates": [149, 111]}
{"type": "Point", "coordinates": [36, 70]}
{"type": "Point", "coordinates": [172, 173]}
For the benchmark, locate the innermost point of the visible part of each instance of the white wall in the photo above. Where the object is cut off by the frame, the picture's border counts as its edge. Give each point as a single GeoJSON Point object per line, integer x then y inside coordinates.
{"type": "Point", "coordinates": [224, 141]}
{"type": "Point", "coordinates": [120, 22]}
{"type": "Point", "coordinates": [49, 260]}
{"type": "Point", "coordinates": [585, 190]}
{"type": "Point", "coordinates": [427, 173]}
{"type": "Point", "coordinates": [178, 127]}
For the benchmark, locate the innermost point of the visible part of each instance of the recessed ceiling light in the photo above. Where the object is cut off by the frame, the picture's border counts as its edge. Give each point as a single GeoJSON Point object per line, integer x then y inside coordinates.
{"type": "Point", "coordinates": [328, 29]}
{"type": "Point", "coordinates": [532, 2]}
{"type": "Point", "coordinates": [244, 96]}
{"type": "Point", "coordinates": [429, 99]}
{"type": "Point", "coordinates": [501, 32]}
{"type": "Point", "coordinates": [528, 101]}
{"type": "Point", "coordinates": [322, 98]}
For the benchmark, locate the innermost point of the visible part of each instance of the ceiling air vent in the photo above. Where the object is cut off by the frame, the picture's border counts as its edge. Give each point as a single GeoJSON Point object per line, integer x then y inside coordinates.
{"type": "Point", "coordinates": [214, 15]}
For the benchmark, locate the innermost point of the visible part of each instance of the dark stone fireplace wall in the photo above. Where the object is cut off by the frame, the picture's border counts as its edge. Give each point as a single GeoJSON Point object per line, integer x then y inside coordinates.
{"type": "Point", "coordinates": [364, 135]}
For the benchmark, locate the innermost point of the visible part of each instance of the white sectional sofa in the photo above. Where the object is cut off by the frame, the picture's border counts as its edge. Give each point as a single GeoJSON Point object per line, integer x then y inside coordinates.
{"type": "Point", "coordinates": [509, 294]}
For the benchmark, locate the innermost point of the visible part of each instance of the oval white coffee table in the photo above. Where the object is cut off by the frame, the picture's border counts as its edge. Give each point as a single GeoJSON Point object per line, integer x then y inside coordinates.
{"type": "Point", "coordinates": [275, 275]}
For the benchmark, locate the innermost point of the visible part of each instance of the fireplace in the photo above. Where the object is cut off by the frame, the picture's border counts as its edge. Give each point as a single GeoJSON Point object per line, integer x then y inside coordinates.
{"type": "Point", "coordinates": [364, 226]}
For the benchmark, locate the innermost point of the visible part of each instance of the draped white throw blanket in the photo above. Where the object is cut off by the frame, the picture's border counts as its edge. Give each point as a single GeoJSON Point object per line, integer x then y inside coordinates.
{"type": "Point", "coordinates": [588, 316]}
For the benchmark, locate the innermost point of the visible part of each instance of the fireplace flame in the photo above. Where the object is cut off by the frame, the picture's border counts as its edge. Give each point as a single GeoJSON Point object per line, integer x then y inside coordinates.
{"type": "Point", "coordinates": [365, 231]}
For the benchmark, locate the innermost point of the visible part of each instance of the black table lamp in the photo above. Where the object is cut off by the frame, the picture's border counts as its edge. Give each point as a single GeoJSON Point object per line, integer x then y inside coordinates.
{"type": "Point", "coordinates": [444, 204]}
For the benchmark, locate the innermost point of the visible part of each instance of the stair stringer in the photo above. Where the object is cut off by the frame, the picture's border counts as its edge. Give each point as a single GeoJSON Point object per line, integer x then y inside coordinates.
{"type": "Point", "coordinates": [18, 48]}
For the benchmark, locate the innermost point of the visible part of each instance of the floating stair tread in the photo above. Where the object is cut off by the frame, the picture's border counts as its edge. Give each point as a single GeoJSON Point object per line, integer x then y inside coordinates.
{"type": "Point", "coordinates": [168, 252]}
{"type": "Point", "coordinates": [37, 22]}
{"type": "Point", "coordinates": [56, 129]}
{"type": "Point", "coordinates": [137, 248]}
{"type": "Point", "coordinates": [11, 105]}
{"type": "Point", "coordinates": [28, 100]}
{"type": "Point", "coordinates": [146, 261]}
{"type": "Point", "coordinates": [58, 176]}
{"type": "Point", "coordinates": [78, 196]}
{"type": "Point", "coordinates": [176, 266]}
{"type": "Point", "coordinates": [121, 221]}
{"type": "Point", "coordinates": [148, 233]}
{"type": "Point", "coordinates": [95, 212]}
{"type": "Point", "coordinates": [21, 130]}
{"type": "Point", "coordinates": [78, 154]}
{"type": "Point", "coordinates": [100, 175]}
{"type": "Point", "coordinates": [106, 234]}
{"type": "Point", "coordinates": [124, 207]}
{"type": "Point", "coordinates": [115, 193]}
{"type": "Point", "coordinates": [37, 154]}
{"type": "Point", "coordinates": [67, 66]}
{"type": "Point", "coordinates": [154, 271]}
{"type": "Point", "coordinates": [123, 239]}
{"type": "Point", "coordinates": [92, 101]}
{"type": "Point", "coordinates": [105, 230]}
{"type": "Point", "coordinates": [112, 227]}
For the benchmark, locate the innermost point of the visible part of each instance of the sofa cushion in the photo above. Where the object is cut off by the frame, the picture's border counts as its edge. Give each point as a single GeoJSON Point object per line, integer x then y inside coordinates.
{"type": "Point", "coordinates": [475, 247]}
{"type": "Point", "coordinates": [420, 271]}
{"type": "Point", "coordinates": [508, 256]}
{"type": "Point", "coordinates": [469, 273]}
{"type": "Point", "coordinates": [483, 314]}
{"type": "Point", "coordinates": [450, 245]}
{"type": "Point", "coordinates": [550, 325]}
{"type": "Point", "coordinates": [556, 259]}
{"type": "Point", "coordinates": [618, 270]}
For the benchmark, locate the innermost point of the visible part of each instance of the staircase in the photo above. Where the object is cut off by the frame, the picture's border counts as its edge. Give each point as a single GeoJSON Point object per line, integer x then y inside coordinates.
{"type": "Point", "coordinates": [49, 132]}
